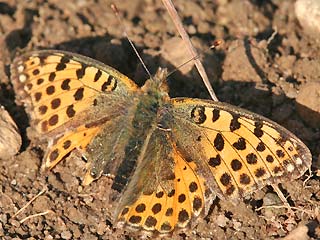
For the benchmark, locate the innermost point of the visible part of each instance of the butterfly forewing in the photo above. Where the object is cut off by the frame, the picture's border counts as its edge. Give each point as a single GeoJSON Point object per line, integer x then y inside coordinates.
{"type": "Point", "coordinates": [62, 92]}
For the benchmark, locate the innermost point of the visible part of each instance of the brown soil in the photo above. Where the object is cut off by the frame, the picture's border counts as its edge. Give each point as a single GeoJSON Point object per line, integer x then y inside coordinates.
{"type": "Point", "coordinates": [246, 71]}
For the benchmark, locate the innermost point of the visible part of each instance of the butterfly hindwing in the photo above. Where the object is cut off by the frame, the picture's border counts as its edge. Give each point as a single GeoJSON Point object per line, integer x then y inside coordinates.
{"type": "Point", "coordinates": [63, 93]}
{"type": "Point", "coordinates": [165, 192]}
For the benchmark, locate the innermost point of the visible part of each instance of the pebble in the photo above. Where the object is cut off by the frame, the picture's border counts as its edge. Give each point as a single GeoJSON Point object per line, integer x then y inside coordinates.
{"type": "Point", "coordinates": [221, 221]}
{"type": "Point", "coordinates": [307, 103]}
{"type": "Point", "coordinates": [10, 139]}
{"type": "Point", "coordinates": [13, 182]}
{"type": "Point", "coordinates": [66, 235]}
{"type": "Point", "coordinates": [308, 14]}
{"type": "Point", "coordinates": [48, 237]}
{"type": "Point", "coordinates": [237, 225]}
{"type": "Point", "coordinates": [301, 232]}
{"type": "Point", "coordinates": [4, 218]}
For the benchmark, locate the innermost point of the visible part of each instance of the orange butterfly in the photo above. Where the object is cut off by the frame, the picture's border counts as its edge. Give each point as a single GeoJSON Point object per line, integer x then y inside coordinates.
{"type": "Point", "coordinates": [170, 157]}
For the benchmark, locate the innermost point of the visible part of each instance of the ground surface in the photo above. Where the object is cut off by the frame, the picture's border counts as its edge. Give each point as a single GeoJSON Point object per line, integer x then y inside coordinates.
{"type": "Point", "coordinates": [278, 79]}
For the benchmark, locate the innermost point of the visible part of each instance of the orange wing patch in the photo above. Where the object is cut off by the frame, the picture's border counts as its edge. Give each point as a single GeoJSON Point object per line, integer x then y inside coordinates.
{"type": "Point", "coordinates": [164, 211]}
{"type": "Point", "coordinates": [60, 147]}
{"type": "Point", "coordinates": [59, 89]}
{"type": "Point", "coordinates": [245, 154]}
{"type": "Point", "coordinates": [244, 151]}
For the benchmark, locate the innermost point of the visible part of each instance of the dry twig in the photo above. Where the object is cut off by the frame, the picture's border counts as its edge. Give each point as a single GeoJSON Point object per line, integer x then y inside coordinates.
{"type": "Point", "coordinates": [309, 213]}
{"type": "Point", "coordinates": [30, 201]}
{"type": "Point", "coordinates": [175, 18]}
{"type": "Point", "coordinates": [283, 198]}
{"type": "Point", "coordinates": [36, 215]}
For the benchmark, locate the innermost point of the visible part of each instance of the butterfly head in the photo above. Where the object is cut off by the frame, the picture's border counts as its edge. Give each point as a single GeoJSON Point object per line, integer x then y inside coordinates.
{"type": "Point", "coordinates": [158, 83]}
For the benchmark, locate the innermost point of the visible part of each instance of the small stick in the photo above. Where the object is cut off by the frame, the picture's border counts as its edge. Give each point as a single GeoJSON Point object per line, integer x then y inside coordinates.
{"type": "Point", "coordinates": [310, 175]}
{"type": "Point", "coordinates": [175, 18]}
{"type": "Point", "coordinates": [36, 215]}
{"type": "Point", "coordinates": [31, 200]}
{"type": "Point", "coordinates": [309, 213]}
{"type": "Point", "coordinates": [273, 35]}
{"type": "Point", "coordinates": [282, 197]}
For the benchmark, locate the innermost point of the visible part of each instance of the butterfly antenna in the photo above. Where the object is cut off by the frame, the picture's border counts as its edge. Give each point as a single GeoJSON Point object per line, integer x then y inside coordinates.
{"type": "Point", "coordinates": [116, 12]}
{"type": "Point", "coordinates": [213, 46]}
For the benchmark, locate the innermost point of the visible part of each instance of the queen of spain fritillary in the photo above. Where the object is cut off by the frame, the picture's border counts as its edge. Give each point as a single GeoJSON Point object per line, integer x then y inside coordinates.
{"type": "Point", "coordinates": [170, 157]}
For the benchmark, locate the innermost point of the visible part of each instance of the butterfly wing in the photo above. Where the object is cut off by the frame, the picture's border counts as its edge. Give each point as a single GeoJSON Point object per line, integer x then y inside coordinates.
{"type": "Point", "coordinates": [68, 97]}
{"type": "Point", "coordinates": [165, 192]}
{"type": "Point", "coordinates": [241, 150]}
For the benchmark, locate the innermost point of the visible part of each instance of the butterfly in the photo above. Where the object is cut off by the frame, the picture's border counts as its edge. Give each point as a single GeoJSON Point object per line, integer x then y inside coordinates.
{"type": "Point", "coordinates": [169, 157]}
